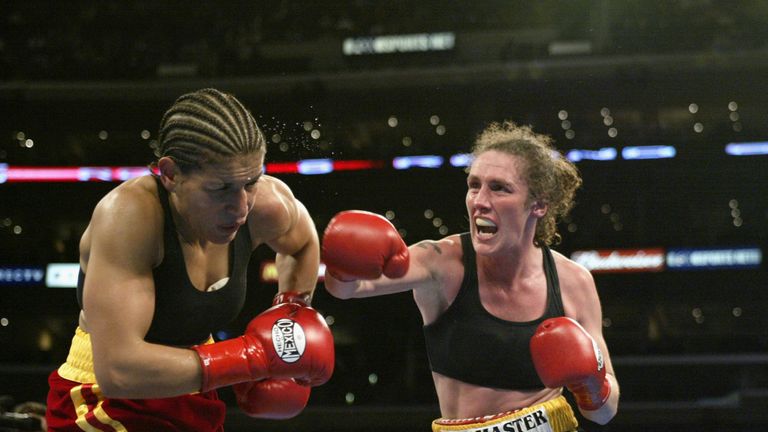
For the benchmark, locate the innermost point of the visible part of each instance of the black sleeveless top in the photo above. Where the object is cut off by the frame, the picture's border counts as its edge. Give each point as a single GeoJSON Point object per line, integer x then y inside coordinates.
{"type": "Point", "coordinates": [183, 314]}
{"type": "Point", "coordinates": [469, 344]}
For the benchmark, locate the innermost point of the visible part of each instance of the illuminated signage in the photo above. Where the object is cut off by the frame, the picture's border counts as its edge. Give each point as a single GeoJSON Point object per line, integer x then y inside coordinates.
{"type": "Point", "coordinates": [461, 159]}
{"type": "Point", "coordinates": [315, 166]}
{"type": "Point", "coordinates": [268, 273]}
{"type": "Point", "coordinates": [391, 44]}
{"type": "Point", "coordinates": [427, 161]}
{"type": "Point", "coordinates": [604, 154]}
{"type": "Point", "coordinates": [21, 275]}
{"type": "Point", "coordinates": [657, 259]}
{"type": "Point", "coordinates": [62, 275]}
{"type": "Point", "coordinates": [714, 258]}
{"type": "Point", "coordinates": [747, 148]}
{"type": "Point", "coordinates": [621, 260]}
{"type": "Point", "coordinates": [648, 152]}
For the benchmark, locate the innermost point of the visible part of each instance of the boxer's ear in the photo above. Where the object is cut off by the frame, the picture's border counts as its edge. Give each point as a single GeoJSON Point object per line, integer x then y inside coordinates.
{"type": "Point", "coordinates": [168, 169]}
{"type": "Point", "coordinates": [539, 208]}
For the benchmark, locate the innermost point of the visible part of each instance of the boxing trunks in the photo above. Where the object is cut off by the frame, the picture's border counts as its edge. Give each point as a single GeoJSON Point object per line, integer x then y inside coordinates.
{"type": "Point", "coordinates": [75, 402]}
{"type": "Point", "coordinates": [554, 415]}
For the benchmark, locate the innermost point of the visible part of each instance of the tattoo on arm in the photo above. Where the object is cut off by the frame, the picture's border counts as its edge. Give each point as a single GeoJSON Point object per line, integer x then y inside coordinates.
{"type": "Point", "coordinates": [427, 243]}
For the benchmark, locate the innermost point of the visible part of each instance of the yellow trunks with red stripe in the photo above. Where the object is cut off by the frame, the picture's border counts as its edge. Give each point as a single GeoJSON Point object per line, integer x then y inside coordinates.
{"type": "Point", "coordinates": [79, 364]}
{"type": "Point", "coordinates": [554, 415]}
{"type": "Point", "coordinates": [75, 388]}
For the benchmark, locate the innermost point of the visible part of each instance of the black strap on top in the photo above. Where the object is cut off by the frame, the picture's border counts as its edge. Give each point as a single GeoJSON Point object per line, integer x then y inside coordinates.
{"type": "Point", "coordinates": [554, 297]}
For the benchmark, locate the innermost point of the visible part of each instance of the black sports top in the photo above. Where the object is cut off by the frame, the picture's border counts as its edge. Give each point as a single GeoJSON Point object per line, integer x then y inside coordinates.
{"type": "Point", "coordinates": [469, 344]}
{"type": "Point", "coordinates": [185, 315]}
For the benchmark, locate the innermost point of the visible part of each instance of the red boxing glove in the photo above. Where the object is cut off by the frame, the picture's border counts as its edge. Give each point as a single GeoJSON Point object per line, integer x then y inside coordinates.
{"type": "Point", "coordinates": [275, 399]}
{"type": "Point", "coordinates": [232, 361]}
{"type": "Point", "coordinates": [288, 340]}
{"type": "Point", "coordinates": [564, 354]}
{"type": "Point", "coordinates": [363, 245]}
{"type": "Point", "coordinates": [297, 343]}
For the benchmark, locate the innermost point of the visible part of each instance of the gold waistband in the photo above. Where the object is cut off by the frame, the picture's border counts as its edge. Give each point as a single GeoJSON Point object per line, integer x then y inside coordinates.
{"type": "Point", "coordinates": [79, 364]}
{"type": "Point", "coordinates": [554, 415]}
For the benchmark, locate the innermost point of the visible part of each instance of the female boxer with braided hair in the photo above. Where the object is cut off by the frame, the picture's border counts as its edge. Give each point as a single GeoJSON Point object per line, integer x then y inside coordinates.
{"type": "Point", "coordinates": [163, 265]}
{"type": "Point", "coordinates": [508, 322]}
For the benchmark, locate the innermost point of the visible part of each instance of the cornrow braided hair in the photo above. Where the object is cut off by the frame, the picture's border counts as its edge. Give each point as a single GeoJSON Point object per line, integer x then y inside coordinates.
{"type": "Point", "coordinates": [207, 125]}
{"type": "Point", "coordinates": [552, 178]}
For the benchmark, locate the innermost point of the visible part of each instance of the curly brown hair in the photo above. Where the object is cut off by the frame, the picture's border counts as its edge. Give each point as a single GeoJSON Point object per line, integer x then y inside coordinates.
{"type": "Point", "coordinates": [552, 179]}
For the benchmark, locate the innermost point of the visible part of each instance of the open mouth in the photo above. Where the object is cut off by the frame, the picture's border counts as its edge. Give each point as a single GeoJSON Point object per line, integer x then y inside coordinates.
{"type": "Point", "coordinates": [230, 228]}
{"type": "Point", "coordinates": [485, 227]}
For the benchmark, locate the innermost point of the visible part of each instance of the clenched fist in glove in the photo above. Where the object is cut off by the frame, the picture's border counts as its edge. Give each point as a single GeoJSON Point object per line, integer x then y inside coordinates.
{"type": "Point", "coordinates": [272, 398]}
{"type": "Point", "coordinates": [564, 354]}
{"type": "Point", "coordinates": [363, 245]}
{"type": "Point", "coordinates": [288, 340]}
{"type": "Point", "coordinates": [275, 398]}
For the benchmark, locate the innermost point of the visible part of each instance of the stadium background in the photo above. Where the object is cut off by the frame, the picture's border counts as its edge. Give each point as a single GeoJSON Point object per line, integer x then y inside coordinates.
{"type": "Point", "coordinates": [85, 83]}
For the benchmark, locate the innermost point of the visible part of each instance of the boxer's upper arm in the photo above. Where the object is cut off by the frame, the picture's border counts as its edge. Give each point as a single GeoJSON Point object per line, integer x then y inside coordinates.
{"type": "Point", "coordinates": [278, 219]}
{"type": "Point", "coordinates": [442, 260]}
{"type": "Point", "coordinates": [297, 230]}
{"type": "Point", "coordinates": [284, 224]}
{"type": "Point", "coordinates": [428, 270]}
{"type": "Point", "coordinates": [417, 276]}
{"type": "Point", "coordinates": [297, 252]}
{"type": "Point", "coordinates": [582, 303]}
{"type": "Point", "coordinates": [118, 296]}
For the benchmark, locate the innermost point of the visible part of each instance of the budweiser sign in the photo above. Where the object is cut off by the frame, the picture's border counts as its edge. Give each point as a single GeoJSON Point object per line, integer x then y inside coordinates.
{"type": "Point", "coordinates": [621, 260]}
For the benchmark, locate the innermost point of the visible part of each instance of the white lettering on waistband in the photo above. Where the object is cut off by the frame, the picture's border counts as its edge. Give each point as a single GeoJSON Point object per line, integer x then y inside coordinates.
{"type": "Point", "coordinates": [535, 421]}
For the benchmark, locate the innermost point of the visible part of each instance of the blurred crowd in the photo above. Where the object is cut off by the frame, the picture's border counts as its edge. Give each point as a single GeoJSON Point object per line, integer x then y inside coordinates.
{"type": "Point", "coordinates": [111, 39]}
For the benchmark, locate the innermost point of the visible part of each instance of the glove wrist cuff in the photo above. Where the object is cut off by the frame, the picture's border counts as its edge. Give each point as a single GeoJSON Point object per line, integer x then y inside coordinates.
{"type": "Point", "coordinates": [589, 400]}
{"type": "Point", "coordinates": [341, 278]}
{"type": "Point", "coordinates": [302, 298]}
{"type": "Point", "coordinates": [224, 363]}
